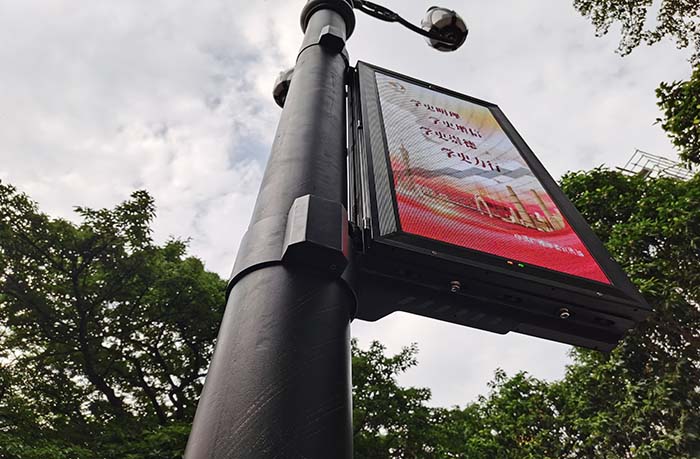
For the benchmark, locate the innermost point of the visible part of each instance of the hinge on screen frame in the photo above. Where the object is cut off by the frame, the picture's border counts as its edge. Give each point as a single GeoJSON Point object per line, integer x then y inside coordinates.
{"type": "Point", "coordinates": [356, 236]}
{"type": "Point", "coordinates": [366, 233]}
{"type": "Point", "coordinates": [360, 234]}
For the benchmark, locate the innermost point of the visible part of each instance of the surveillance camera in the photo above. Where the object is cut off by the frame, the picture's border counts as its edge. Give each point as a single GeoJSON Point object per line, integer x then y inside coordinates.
{"type": "Point", "coordinates": [279, 92]}
{"type": "Point", "coordinates": [448, 30]}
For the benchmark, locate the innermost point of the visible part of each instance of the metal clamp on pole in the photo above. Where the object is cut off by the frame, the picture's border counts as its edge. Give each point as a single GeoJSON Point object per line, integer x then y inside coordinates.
{"type": "Point", "coordinates": [335, 23]}
{"type": "Point", "coordinates": [343, 7]}
{"type": "Point", "coordinates": [317, 235]}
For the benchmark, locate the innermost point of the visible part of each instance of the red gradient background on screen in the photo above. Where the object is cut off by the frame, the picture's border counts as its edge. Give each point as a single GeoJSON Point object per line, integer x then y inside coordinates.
{"type": "Point", "coordinates": [460, 180]}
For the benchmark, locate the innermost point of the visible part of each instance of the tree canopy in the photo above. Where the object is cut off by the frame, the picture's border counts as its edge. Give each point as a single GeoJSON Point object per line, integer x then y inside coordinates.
{"type": "Point", "coordinates": [106, 336]}
{"type": "Point", "coordinates": [643, 400]}
{"type": "Point", "coordinates": [680, 104]}
{"type": "Point", "coordinates": [678, 20]}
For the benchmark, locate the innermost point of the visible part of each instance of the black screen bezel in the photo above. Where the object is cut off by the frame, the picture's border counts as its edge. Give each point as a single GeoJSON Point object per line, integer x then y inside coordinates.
{"type": "Point", "coordinates": [620, 288]}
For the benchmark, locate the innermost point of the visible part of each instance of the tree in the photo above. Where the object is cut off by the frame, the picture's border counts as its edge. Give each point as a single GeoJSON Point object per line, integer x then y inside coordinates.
{"type": "Point", "coordinates": [105, 335]}
{"type": "Point", "coordinates": [676, 19]}
{"type": "Point", "coordinates": [643, 400]}
{"type": "Point", "coordinates": [389, 421]}
{"type": "Point", "coordinates": [105, 338]}
{"type": "Point", "coordinates": [650, 383]}
{"type": "Point", "coordinates": [679, 20]}
{"type": "Point", "coordinates": [680, 103]}
{"type": "Point", "coordinates": [518, 420]}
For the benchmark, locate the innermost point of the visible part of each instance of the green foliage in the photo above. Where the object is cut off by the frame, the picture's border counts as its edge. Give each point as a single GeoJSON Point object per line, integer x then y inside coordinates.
{"type": "Point", "coordinates": [389, 421]}
{"type": "Point", "coordinates": [643, 400]}
{"type": "Point", "coordinates": [518, 420]}
{"type": "Point", "coordinates": [676, 19]}
{"type": "Point", "coordinates": [161, 442]}
{"type": "Point", "coordinates": [680, 102]}
{"type": "Point", "coordinates": [105, 336]}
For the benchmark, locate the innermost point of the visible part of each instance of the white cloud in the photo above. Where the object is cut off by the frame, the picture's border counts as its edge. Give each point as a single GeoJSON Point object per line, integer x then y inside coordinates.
{"type": "Point", "coordinates": [110, 98]}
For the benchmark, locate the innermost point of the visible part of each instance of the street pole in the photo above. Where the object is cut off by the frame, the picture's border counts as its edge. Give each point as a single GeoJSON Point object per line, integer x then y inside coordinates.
{"type": "Point", "coordinates": [279, 383]}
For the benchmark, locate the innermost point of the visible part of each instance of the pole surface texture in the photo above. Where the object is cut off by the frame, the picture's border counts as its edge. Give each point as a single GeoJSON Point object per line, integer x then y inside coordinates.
{"type": "Point", "coordinates": [279, 384]}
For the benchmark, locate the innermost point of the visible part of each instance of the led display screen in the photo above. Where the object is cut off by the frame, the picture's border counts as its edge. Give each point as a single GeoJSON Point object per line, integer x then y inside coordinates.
{"type": "Point", "coordinates": [459, 179]}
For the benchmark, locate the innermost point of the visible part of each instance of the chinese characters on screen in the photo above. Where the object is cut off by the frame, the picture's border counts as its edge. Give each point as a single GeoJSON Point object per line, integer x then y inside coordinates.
{"type": "Point", "coordinates": [459, 179]}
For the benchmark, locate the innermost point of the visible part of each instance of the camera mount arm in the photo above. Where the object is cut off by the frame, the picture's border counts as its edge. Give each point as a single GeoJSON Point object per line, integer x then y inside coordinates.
{"type": "Point", "coordinates": [382, 13]}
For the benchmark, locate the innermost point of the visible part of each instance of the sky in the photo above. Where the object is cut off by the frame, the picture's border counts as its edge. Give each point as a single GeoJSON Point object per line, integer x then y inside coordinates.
{"type": "Point", "coordinates": [99, 99]}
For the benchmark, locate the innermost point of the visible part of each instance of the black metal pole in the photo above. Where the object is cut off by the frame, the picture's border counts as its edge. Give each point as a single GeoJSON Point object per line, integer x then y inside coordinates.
{"type": "Point", "coordinates": [279, 383]}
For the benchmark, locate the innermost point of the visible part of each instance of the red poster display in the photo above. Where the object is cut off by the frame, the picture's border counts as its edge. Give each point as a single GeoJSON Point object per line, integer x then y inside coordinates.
{"type": "Point", "coordinates": [459, 179]}
{"type": "Point", "coordinates": [456, 219]}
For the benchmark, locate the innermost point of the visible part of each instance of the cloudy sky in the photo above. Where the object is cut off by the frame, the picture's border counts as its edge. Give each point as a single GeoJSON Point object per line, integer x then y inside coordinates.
{"type": "Point", "coordinates": [98, 99]}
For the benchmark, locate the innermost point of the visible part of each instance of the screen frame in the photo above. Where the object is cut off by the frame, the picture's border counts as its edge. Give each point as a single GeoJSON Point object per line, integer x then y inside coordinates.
{"type": "Point", "coordinates": [620, 291]}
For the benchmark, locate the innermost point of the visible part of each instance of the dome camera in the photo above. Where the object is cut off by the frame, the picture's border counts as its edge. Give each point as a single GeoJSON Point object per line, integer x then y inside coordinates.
{"type": "Point", "coordinates": [281, 88]}
{"type": "Point", "coordinates": [446, 28]}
